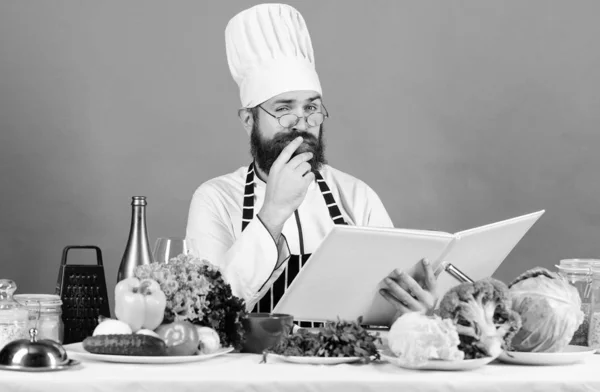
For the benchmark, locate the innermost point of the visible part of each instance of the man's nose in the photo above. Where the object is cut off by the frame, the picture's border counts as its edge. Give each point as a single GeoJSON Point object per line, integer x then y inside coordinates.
{"type": "Point", "coordinates": [301, 125]}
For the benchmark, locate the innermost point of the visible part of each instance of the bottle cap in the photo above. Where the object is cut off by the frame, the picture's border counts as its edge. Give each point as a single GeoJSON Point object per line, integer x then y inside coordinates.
{"type": "Point", "coordinates": [138, 201]}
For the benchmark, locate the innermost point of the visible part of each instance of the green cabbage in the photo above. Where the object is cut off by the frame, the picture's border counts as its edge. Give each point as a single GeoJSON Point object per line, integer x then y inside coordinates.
{"type": "Point", "coordinates": [550, 310]}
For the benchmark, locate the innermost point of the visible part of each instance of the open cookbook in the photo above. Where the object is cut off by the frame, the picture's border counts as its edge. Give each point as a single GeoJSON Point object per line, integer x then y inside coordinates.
{"type": "Point", "coordinates": [343, 276]}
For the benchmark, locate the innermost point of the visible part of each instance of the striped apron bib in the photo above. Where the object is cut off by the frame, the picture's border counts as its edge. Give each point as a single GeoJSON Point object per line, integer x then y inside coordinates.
{"type": "Point", "coordinates": [267, 303]}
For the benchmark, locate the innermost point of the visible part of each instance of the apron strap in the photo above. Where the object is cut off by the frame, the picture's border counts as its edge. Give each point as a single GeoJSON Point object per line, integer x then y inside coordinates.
{"type": "Point", "coordinates": [334, 210]}
{"type": "Point", "coordinates": [248, 206]}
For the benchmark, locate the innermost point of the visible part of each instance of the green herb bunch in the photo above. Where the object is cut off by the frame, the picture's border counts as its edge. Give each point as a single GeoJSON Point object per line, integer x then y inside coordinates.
{"type": "Point", "coordinates": [334, 339]}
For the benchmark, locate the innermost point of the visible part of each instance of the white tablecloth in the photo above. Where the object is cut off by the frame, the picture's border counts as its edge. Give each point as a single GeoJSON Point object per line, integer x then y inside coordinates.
{"type": "Point", "coordinates": [243, 372]}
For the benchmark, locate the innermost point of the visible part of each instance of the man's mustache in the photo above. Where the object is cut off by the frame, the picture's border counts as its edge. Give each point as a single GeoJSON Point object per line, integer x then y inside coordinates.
{"type": "Point", "coordinates": [287, 137]}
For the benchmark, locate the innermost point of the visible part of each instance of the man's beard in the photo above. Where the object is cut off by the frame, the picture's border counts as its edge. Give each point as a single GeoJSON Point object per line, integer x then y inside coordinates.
{"type": "Point", "coordinates": [265, 152]}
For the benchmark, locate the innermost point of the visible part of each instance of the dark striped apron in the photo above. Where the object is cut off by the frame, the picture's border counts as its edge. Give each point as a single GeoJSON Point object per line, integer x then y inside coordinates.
{"type": "Point", "coordinates": [295, 262]}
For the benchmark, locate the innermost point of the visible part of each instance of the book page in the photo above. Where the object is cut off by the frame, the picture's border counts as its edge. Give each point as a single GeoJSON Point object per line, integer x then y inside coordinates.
{"type": "Point", "coordinates": [342, 278]}
{"type": "Point", "coordinates": [478, 252]}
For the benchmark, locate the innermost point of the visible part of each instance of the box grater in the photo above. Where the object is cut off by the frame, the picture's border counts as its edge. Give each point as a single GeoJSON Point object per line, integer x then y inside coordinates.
{"type": "Point", "coordinates": [82, 289]}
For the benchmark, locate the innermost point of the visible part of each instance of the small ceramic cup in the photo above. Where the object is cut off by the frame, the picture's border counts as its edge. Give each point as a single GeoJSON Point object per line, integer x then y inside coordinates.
{"type": "Point", "coordinates": [264, 330]}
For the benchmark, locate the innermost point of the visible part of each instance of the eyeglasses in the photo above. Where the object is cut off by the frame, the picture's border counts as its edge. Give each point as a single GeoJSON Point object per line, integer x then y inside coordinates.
{"type": "Point", "coordinates": [289, 120]}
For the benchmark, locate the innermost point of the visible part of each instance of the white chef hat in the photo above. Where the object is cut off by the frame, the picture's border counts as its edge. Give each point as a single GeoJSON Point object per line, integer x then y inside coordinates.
{"type": "Point", "coordinates": [269, 52]}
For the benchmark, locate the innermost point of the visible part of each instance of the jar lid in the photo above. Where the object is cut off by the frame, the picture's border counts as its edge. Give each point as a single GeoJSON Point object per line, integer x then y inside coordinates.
{"type": "Point", "coordinates": [577, 265]}
{"type": "Point", "coordinates": [10, 310]}
{"type": "Point", "coordinates": [32, 301]}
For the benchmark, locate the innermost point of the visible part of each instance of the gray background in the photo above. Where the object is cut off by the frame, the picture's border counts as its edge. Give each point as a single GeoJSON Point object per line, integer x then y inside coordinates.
{"type": "Point", "coordinates": [458, 113]}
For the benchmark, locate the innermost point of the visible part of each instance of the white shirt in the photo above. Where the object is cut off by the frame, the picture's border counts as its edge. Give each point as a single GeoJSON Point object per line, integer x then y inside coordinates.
{"type": "Point", "coordinates": [250, 260]}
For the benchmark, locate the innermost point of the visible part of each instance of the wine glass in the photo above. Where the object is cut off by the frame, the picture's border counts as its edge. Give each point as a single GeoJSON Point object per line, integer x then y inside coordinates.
{"type": "Point", "coordinates": [167, 248]}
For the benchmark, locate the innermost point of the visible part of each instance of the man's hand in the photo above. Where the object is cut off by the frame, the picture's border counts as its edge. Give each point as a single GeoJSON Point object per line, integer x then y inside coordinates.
{"type": "Point", "coordinates": [287, 185]}
{"type": "Point", "coordinates": [402, 291]}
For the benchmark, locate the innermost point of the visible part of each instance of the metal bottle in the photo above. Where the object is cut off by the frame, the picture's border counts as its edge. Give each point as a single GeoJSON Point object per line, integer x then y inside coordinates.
{"type": "Point", "coordinates": [137, 251]}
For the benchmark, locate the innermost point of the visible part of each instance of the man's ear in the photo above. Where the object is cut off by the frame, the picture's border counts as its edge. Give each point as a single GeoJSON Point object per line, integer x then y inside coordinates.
{"type": "Point", "coordinates": [247, 120]}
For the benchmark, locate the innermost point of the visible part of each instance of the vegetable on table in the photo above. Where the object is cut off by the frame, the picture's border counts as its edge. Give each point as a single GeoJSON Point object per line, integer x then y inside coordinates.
{"type": "Point", "coordinates": [119, 344]}
{"type": "Point", "coordinates": [112, 327]}
{"type": "Point", "coordinates": [181, 337]}
{"type": "Point", "coordinates": [416, 338]}
{"type": "Point", "coordinates": [140, 303]}
{"type": "Point", "coordinates": [334, 339]}
{"type": "Point", "coordinates": [550, 310]}
{"type": "Point", "coordinates": [208, 341]}
{"type": "Point", "coordinates": [483, 315]}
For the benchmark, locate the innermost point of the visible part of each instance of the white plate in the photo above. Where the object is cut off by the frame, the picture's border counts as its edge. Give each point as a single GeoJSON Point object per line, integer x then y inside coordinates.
{"type": "Point", "coordinates": [314, 360]}
{"type": "Point", "coordinates": [571, 354]}
{"type": "Point", "coordinates": [77, 349]}
{"type": "Point", "coordinates": [438, 364]}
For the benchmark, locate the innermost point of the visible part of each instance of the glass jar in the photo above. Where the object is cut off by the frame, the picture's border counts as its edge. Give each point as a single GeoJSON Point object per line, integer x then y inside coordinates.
{"type": "Point", "coordinates": [13, 317]}
{"type": "Point", "coordinates": [45, 314]}
{"type": "Point", "coordinates": [578, 273]}
{"type": "Point", "coordinates": [594, 330]}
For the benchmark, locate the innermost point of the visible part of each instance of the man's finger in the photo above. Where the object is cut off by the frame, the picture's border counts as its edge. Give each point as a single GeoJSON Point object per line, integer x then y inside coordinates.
{"type": "Point", "coordinates": [430, 279]}
{"type": "Point", "coordinates": [287, 152]}
{"type": "Point", "coordinates": [303, 168]}
{"type": "Point", "coordinates": [408, 283]}
{"type": "Point", "coordinates": [300, 159]}
{"type": "Point", "coordinates": [308, 178]}
{"type": "Point", "coordinates": [401, 294]}
{"type": "Point", "coordinates": [394, 301]}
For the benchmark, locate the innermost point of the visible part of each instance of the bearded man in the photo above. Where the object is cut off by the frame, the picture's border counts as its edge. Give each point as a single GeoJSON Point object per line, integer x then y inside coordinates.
{"type": "Point", "coordinates": [261, 223]}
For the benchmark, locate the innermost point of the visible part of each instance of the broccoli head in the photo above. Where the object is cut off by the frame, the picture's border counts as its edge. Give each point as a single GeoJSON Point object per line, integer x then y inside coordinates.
{"type": "Point", "coordinates": [483, 315]}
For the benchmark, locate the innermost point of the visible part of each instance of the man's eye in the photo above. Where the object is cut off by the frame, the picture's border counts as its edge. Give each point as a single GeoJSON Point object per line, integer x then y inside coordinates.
{"type": "Point", "coordinates": [312, 108]}
{"type": "Point", "coordinates": [282, 109]}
